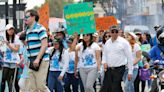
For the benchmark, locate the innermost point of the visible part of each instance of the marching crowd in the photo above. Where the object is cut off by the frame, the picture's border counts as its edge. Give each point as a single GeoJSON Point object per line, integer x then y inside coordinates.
{"type": "Point", "coordinates": [64, 63]}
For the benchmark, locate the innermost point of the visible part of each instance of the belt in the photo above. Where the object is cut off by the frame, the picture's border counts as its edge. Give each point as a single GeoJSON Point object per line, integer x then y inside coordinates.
{"type": "Point", "coordinates": [112, 68]}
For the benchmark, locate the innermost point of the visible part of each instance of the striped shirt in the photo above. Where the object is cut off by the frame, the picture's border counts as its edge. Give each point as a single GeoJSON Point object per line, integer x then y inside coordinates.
{"type": "Point", "coordinates": [33, 38]}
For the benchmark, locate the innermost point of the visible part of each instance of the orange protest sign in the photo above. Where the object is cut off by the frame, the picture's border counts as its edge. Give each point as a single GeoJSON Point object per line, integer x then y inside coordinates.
{"type": "Point", "coordinates": [44, 15]}
{"type": "Point", "coordinates": [105, 22]}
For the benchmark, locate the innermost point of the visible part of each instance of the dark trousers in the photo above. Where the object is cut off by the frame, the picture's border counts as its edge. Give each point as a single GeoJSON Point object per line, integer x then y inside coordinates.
{"type": "Point", "coordinates": [7, 75]}
{"type": "Point", "coordinates": [70, 79]}
{"type": "Point", "coordinates": [137, 83]}
{"type": "Point", "coordinates": [112, 80]}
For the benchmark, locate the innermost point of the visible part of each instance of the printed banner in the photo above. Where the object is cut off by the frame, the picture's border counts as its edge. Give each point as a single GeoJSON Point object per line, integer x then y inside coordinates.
{"type": "Point", "coordinates": [80, 18]}
{"type": "Point", "coordinates": [105, 22]}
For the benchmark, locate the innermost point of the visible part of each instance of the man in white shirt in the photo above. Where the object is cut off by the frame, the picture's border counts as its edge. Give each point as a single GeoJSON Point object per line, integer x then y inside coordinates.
{"type": "Point", "coordinates": [117, 53]}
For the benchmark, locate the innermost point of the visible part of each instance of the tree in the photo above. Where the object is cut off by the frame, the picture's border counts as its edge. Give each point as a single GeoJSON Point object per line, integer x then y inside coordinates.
{"type": "Point", "coordinates": [56, 7]}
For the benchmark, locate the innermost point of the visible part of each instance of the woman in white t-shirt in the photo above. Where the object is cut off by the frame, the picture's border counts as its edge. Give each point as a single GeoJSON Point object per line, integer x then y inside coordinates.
{"type": "Point", "coordinates": [88, 54]}
{"type": "Point", "coordinates": [71, 79]}
{"type": "Point", "coordinates": [136, 57]}
{"type": "Point", "coordinates": [58, 65]}
{"type": "Point", "coordinates": [11, 57]}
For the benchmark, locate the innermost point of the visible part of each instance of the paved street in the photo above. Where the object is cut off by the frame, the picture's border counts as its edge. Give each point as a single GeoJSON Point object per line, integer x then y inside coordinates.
{"type": "Point", "coordinates": [98, 87]}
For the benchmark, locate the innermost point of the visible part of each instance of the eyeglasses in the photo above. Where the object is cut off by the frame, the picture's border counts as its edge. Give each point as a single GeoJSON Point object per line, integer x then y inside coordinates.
{"type": "Point", "coordinates": [27, 17]}
{"type": "Point", "coordinates": [114, 31]}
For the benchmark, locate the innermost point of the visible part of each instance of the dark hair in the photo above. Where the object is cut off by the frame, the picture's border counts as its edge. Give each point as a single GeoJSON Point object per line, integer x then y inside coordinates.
{"type": "Point", "coordinates": [8, 38]}
{"type": "Point", "coordinates": [61, 47]}
{"type": "Point", "coordinates": [22, 37]}
{"type": "Point", "coordinates": [148, 37]}
{"type": "Point", "coordinates": [34, 13]}
{"type": "Point", "coordinates": [91, 41]}
{"type": "Point", "coordinates": [103, 39]}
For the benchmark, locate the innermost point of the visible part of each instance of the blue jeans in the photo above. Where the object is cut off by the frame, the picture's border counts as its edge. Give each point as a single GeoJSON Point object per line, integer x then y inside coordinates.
{"type": "Point", "coordinates": [53, 82]}
{"type": "Point", "coordinates": [129, 85]}
{"type": "Point", "coordinates": [70, 79]}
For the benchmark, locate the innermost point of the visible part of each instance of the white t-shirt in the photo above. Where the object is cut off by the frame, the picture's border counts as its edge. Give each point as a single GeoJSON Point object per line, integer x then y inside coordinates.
{"type": "Point", "coordinates": [87, 58]}
{"type": "Point", "coordinates": [71, 65]}
{"type": "Point", "coordinates": [11, 56]}
{"type": "Point", "coordinates": [134, 51]}
{"type": "Point", "coordinates": [62, 65]}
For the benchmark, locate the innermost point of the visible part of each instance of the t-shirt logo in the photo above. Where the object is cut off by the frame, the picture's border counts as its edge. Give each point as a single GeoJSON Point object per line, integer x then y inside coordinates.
{"type": "Point", "coordinates": [71, 65]}
{"type": "Point", "coordinates": [56, 62]}
{"type": "Point", "coordinates": [88, 60]}
{"type": "Point", "coordinates": [8, 54]}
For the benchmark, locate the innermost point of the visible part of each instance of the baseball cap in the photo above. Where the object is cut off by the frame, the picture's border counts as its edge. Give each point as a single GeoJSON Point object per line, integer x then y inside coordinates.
{"type": "Point", "coordinates": [137, 31]}
{"type": "Point", "coordinates": [9, 26]}
{"type": "Point", "coordinates": [114, 27]}
{"type": "Point", "coordinates": [96, 34]}
{"type": "Point", "coordinates": [70, 40]}
{"type": "Point", "coordinates": [56, 40]}
{"type": "Point", "coordinates": [133, 35]}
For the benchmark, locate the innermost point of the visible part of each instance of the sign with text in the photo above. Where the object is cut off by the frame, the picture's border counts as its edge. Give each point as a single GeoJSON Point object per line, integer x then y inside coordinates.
{"type": "Point", "coordinates": [105, 22]}
{"type": "Point", "coordinates": [80, 18]}
{"type": "Point", "coordinates": [44, 15]}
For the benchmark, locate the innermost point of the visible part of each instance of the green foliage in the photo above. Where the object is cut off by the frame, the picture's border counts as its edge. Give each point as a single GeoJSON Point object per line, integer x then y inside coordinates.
{"type": "Point", "coordinates": [56, 7]}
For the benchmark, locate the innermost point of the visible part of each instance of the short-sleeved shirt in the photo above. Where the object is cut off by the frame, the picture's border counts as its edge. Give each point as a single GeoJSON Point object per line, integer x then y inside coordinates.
{"type": "Point", "coordinates": [134, 51]}
{"type": "Point", "coordinates": [88, 56]}
{"type": "Point", "coordinates": [11, 57]}
{"type": "Point", "coordinates": [33, 38]}
{"type": "Point", "coordinates": [71, 65]}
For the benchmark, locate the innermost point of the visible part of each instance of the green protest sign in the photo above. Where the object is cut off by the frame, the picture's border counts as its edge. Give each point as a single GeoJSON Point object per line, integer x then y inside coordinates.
{"type": "Point", "coordinates": [80, 18]}
{"type": "Point", "coordinates": [145, 47]}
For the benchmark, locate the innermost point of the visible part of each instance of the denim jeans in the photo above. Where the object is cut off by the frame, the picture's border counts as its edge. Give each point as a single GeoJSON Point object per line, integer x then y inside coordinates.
{"type": "Point", "coordinates": [129, 85]}
{"type": "Point", "coordinates": [70, 79]}
{"type": "Point", "coordinates": [53, 82]}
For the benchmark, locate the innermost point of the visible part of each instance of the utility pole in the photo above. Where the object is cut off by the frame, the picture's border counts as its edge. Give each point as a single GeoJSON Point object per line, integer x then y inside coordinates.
{"type": "Point", "coordinates": [14, 14]}
{"type": "Point", "coordinates": [6, 12]}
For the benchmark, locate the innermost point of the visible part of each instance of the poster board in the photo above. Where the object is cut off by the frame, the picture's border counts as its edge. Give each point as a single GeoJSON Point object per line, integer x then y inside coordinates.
{"type": "Point", "coordinates": [104, 23]}
{"type": "Point", "coordinates": [145, 47]}
{"type": "Point", "coordinates": [80, 18]}
{"type": "Point", "coordinates": [44, 15]}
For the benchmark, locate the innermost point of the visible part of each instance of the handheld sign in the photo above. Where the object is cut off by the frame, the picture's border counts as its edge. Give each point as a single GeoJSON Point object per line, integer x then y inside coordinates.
{"type": "Point", "coordinates": [104, 23]}
{"type": "Point", "coordinates": [80, 18]}
{"type": "Point", "coordinates": [145, 47]}
{"type": "Point", "coordinates": [44, 15]}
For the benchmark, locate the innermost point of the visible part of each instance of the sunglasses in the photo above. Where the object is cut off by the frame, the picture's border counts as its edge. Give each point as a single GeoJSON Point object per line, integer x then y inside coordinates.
{"type": "Point", "coordinates": [114, 31]}
{"type": "Point", "coordinates": [107, 36]}
{"type": "Point", "coordinates": [27, 17]}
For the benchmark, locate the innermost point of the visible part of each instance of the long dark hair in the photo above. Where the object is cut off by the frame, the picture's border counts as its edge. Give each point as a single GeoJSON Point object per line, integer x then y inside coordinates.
{"type": "Point", "coordinates": [84, 43]}
{"type": "Point", "coordinates": [8, 38]}
{"type": "Point", "coordinates": [103, 39]}
{"type": "Point", "coordinates": [61, 47]}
